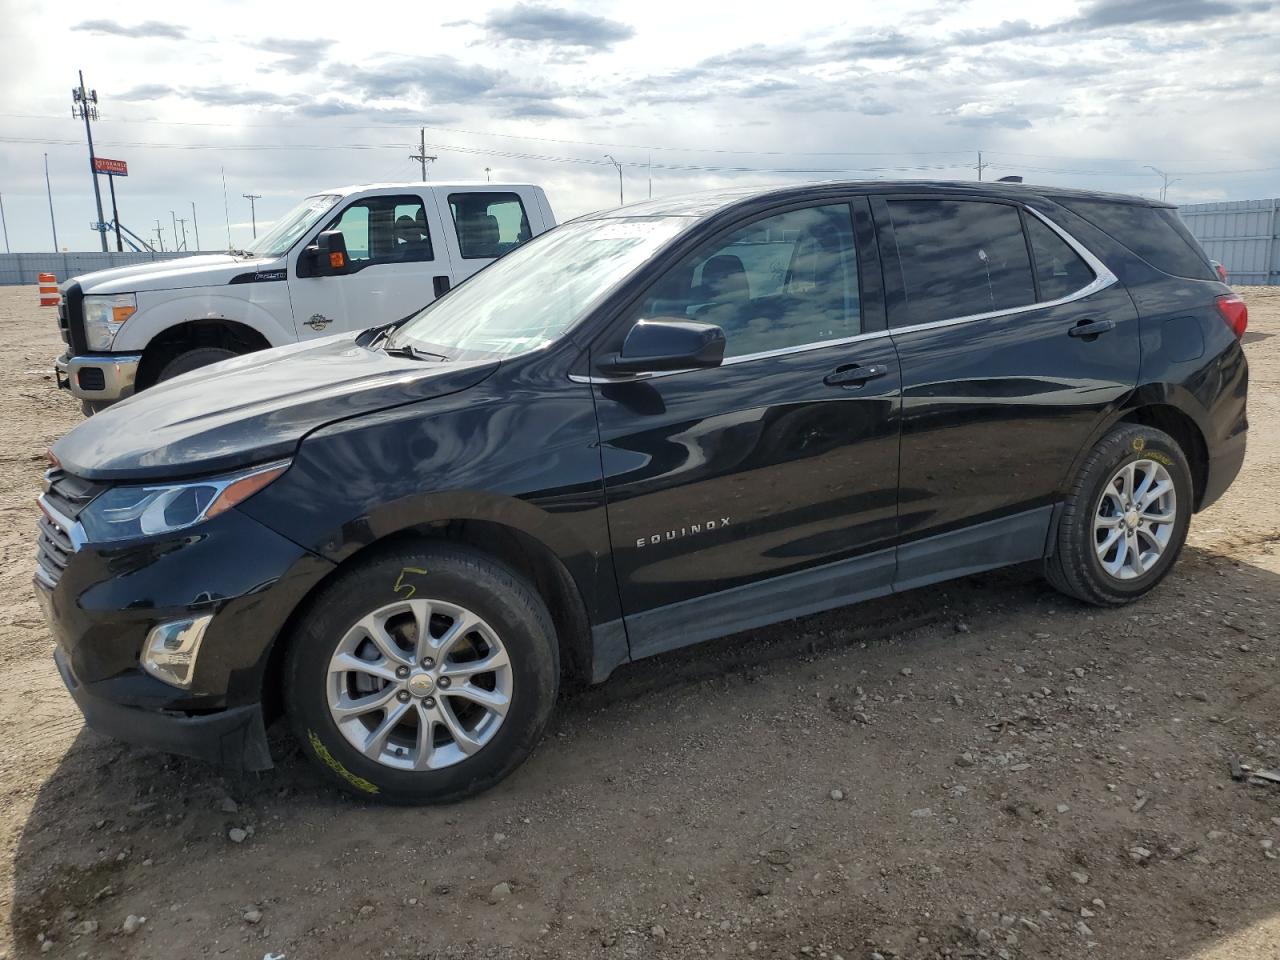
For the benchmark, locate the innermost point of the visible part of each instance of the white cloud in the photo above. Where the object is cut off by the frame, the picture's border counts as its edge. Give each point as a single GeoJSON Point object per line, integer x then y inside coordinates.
{"type": "Point", "coordinates": [1082, 95]}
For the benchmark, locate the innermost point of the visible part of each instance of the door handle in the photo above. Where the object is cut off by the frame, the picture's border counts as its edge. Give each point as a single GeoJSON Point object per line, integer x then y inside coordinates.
{"type": "Point", "coordinates": [854, 374]}
{"type": "Point", "coordinates": [441, 285]}
{"type": "Point", "coordinates": [1089, 329]}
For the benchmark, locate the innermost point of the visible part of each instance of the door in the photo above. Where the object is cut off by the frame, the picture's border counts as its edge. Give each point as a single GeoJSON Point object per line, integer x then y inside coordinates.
{"type": "Point", "coordinates": [767, 486]}
{"type": "Point", "coordinates": [484, 224]}
{"type": "Point", "coordinates": [397, 264]}
{"type": "Point", "coordinates": [1014, 341]}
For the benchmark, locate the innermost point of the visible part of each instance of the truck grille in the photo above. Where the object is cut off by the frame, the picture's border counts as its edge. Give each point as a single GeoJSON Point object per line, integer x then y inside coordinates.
{"type": "Point", "coordinates": [60, 534]}
{"type": "Point", "coordinates": [64, 327]}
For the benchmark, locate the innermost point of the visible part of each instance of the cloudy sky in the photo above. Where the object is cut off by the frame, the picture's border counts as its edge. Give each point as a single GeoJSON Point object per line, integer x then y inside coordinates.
{"type": "Point", "coordinates": [694, 95]}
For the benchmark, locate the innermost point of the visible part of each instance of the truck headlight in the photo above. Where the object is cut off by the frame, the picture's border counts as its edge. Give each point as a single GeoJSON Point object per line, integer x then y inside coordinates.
{"type": "Point", "coordinates": [104, 316]}
{"type": "Point", "coordinates": [124, 513]}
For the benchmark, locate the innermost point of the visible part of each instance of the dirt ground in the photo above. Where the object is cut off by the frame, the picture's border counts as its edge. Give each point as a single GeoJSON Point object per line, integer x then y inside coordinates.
{"type": "Point", "coordinates": [980, 769]}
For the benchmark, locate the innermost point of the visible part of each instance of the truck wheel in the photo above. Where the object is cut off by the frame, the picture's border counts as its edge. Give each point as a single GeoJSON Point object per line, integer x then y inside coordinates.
{"type": "Point", "coordinates": [1125, 518]}
{"type": "Point", "coordinates": [193, 360]}
{"type": "Point", "coordinates": [422, 676]}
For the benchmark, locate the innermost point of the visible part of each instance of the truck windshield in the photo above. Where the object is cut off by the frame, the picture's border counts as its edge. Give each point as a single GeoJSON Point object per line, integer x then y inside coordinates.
{"type": "Point", "coordinates": [539, 290]}
{"type": "Point", "coordinates": [277, 241]}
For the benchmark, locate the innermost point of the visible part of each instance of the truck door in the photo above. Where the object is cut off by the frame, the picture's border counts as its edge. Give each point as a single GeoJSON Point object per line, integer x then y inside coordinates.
{"type": "Point", "coordinates": [484, 223]}
{"type": "Point", "coordinates": [398, 266]}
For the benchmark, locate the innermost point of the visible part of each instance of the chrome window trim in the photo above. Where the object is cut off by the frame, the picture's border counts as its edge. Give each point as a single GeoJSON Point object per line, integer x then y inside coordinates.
{"type": "Point", "coordinates": [730, 361]}
{"type": "Point", "coordinates": [1102, 278]}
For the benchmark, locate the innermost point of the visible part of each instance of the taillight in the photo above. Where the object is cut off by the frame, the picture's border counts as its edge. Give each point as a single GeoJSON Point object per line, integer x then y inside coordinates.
{"type": "Point", "coordinates": [1222, 271]}
{"type": "Point", "coordinates": [1234, 313]}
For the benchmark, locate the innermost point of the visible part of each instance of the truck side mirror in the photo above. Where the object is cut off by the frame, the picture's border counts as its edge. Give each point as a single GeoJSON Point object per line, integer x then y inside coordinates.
{"type": "Point", "coordinates": [328, 255]}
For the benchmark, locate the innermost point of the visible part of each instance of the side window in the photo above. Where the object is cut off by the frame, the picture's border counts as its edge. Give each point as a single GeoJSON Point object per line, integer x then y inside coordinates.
{"type": "Point", "coordinates": [785, 281]}
{"type": "Point", "coordinates": [1154, 233]}
{"type": "Point", "coordinates": [385, 230]}
{"type": "Point", "coordinates": [1059, 269]}
{"type": "Point", "coordinates": [488, 224]}
{"type": "Point", "coordinates": [961, 257]}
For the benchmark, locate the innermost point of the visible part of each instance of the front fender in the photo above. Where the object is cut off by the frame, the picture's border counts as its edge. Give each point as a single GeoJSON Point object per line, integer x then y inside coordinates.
{"type": "Point", "coordinates": [265, 308]}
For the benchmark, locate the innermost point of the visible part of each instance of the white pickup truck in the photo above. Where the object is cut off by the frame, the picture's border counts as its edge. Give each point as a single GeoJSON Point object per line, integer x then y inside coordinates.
{"type": "Point", "coordinates": [343, 259]}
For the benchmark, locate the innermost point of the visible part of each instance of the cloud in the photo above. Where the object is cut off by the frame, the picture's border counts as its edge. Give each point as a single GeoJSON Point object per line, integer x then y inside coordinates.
{"type": "Point", "coordinates": [295, 56]}
{"type": "Point", "coordinates": [1115, 13]}
{"type": "Point", "coordinates": [536, 23]}
{"type": "Point", "coordinates": [146, 29]}
{"type": "Point", "coordinates": [214, 95]}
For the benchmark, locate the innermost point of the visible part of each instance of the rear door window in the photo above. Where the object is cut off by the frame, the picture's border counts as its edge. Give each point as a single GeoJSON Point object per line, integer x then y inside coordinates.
{"type": "Point", "coordinates": [1060, 271]}
{"type": "Point", "coordinates": [489, 223]}
{"type": "Point", "coordinates": [960, 258]}
{"type": "Point", "coordinates": [1153, 233]}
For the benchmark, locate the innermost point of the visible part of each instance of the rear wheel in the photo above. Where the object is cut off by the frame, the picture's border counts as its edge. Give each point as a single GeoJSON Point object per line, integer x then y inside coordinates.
{"type": "Point", "coordinates": [193, 360]}
{"type": "Point", "coordinates": [1125, 518]}
{"type": "Point", "coordinates": [425, 675]}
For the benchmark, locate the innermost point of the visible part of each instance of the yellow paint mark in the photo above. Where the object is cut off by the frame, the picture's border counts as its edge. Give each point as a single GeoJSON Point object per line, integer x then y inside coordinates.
{"type": "Point", "coordinates": [401, 585]}
{"type": "Point", "coordinates": [360, 783]}
{"type": "Point", "coordinates": [1159, 457]}
{"type": "Point", "coordinates": [1139, 444]}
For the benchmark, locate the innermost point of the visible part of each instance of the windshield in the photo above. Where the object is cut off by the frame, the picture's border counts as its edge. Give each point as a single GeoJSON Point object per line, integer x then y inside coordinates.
{"type": "Point", "coordinates": [277, 241]}
{"type": "Point", "coordinates": [539, 290]}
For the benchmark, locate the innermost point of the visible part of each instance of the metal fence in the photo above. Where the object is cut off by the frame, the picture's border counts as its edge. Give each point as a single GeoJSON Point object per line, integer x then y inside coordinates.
{"type": "Point", "coordinates": [24, 267]}
{"type": "Point", "coordinates": [1242, 235]}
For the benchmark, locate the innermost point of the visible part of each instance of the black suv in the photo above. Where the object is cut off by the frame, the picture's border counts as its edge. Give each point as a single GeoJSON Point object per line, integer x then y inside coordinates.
{"type": "Point", "coordinates": [649, 427]}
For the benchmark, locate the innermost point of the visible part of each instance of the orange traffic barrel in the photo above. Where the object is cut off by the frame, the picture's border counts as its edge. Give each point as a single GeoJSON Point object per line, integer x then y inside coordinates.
{"type": "Point", "coordinates": [48, 290]}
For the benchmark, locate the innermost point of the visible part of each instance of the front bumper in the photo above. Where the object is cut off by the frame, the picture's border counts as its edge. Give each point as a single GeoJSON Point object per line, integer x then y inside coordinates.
{"type": "Point", "coordinates": [102, 600]}
{"type": "Point", "coordinates": [102, 378]}
{"type": "Point", "coordinates": [235, 738]}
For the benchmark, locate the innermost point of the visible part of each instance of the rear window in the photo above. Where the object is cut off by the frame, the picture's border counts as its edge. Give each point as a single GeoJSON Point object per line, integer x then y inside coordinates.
{"type": "Point", "coordinates": [1153, 233]}
{"type": "Point", "coordinates": [488, 224]}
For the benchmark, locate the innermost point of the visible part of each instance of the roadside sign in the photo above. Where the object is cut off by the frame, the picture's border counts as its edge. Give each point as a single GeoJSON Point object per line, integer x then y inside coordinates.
{"type": "Point", "coordinates": [116, 168]}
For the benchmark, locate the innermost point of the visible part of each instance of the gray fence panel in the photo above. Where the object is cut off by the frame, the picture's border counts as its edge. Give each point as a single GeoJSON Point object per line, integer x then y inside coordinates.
{"type": "Point", "coordinates": [18, 268]}
{"type": "Point", "coordinates": [1242, 235]}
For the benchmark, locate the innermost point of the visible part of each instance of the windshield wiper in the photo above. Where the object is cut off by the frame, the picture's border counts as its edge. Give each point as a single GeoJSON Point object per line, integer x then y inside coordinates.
{"type": "Point", "coordinates": [409, 350]}
{"type": "Point", "coordinates": [372, 335]}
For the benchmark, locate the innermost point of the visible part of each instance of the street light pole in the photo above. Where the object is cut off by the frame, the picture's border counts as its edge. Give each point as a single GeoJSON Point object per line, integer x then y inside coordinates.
{"type": "Point", "coordinates": [609, 157]}
{"type": "Point", "coordinates": [4, 223]}
{"type": "Point", "coordinates": [194, 225]}
{"type": "Point", "coordinates": [1164, 187]}
{"type": "Point", "coordinates": [49, 190]}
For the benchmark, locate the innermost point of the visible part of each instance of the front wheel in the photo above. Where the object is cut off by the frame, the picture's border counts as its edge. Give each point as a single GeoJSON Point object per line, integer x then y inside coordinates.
{"type": "Point", "coordinates": [423, 676]}
{"type": "Point", "coordinates": [193, 360]}
{"type": "Point", "coordinates": [1125, 518]}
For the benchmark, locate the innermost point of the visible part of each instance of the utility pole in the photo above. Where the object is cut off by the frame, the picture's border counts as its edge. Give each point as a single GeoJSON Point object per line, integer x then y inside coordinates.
{"type": "Point", "coordinates": [226, 209]}
{"type": "Point", "coordinates": [422, 156]}
{"type": "Point", "coordinates": [253, 211]}
{"type": "Point", "coordinates": [609, 157]}
{"type": "Point", "coordinates": [160, 234]}
{"type": "Point", "coordinates": [195, 226]}
{"type": "Point", "coordinates": [183, 222]}
{"type": "Point", "coordinates": [981, 165]}
{"type": "Point", "coordinates": [4, 223]}
{"type": "Point", "coordinates": [175, 230]}
{"type": "Point", "coordinates": [49, 190]}
{"type": "Point", "coordinates": [84, 104]}
{"type": "Point", "coordinates": [1164, 187]}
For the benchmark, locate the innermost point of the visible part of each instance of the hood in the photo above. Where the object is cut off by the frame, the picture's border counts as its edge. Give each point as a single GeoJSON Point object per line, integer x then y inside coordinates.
{"type": "Point", "coordinates": [207, 270]}
{"type": "Point", "coordinates": [252, 409]}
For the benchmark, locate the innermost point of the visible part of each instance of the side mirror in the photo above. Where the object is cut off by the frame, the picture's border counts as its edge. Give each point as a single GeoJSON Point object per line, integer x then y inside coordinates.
{"type": "Point", "coordinates": [669, 343]}
{"type": "Point", "coordinates": [328, 254]}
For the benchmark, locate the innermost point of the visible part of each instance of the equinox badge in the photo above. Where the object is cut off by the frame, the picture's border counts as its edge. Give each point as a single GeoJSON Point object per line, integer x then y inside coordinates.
{"type": "Point", "coordinates": [688, 531]}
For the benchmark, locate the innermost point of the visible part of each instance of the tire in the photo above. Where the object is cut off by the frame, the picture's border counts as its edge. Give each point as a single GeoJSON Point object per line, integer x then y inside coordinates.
{"type": "Point", "coordinates": [193, 360]}
{"type": "Point", "coordinates": [512, 622]}
{"type": "Point", "coordinates": [1095, 510]}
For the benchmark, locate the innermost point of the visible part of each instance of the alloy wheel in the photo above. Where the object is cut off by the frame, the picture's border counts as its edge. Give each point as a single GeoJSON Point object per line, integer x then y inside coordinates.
{"type": "Point", "coordinates": [419, 684]}
{"type": "Point", "coordinates": [1134, 519]}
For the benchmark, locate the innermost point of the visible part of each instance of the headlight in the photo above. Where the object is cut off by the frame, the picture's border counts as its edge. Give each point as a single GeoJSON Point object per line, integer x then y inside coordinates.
{"type": "Point", "coordinates": [123, 513]}
{"type": "Point", "coordinates": [104, 316]}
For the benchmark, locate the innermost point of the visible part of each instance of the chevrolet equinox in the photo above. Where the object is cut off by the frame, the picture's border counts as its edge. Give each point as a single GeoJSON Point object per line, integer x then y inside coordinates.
{"type": "Point", "coordinates": [646, 428]}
